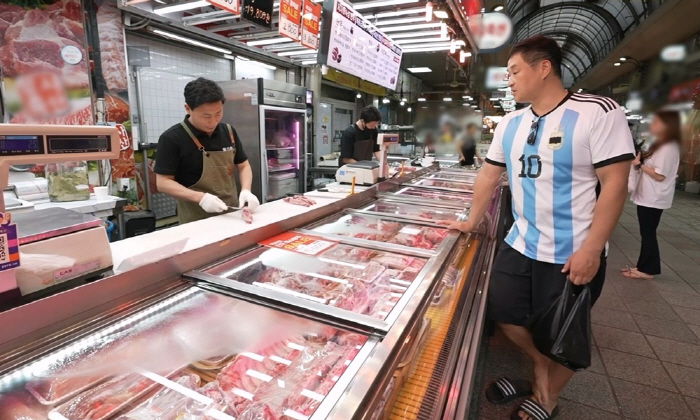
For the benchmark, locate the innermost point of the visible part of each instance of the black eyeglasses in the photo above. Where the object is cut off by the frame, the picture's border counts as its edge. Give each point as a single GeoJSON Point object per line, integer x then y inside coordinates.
{"type": "Point", "coordinates": [533, 131]}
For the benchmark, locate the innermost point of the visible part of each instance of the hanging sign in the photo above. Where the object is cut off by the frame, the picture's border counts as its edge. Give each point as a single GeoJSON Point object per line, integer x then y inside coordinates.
{"type": "Point", "coordinates": [492, 30]}
{"type": "Point", "coordinates": [290, 19]}
{"type": "Point", "coordinates": [311, 16]}
{"type": "Point", "coordinates": [228, 5]}
{"type": "Point", "coordinates": [258, 12]}
{"type": "Point", "coordinates": [9, 247]}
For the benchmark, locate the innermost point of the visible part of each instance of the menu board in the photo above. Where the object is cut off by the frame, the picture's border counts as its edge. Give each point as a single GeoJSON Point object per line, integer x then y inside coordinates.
{"type": "Point", "coordinates": [355, 46]}
{"type": "Point", "coordinates": [309, 24]}
{"type": "Point", "coordinates": [290, 18]}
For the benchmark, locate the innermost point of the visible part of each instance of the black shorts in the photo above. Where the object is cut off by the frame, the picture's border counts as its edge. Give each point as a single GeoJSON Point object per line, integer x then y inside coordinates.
{"type": "Point", "coordinates": [521, 287]}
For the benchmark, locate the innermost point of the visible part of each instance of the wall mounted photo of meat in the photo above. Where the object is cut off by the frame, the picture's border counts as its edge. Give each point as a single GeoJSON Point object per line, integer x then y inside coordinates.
{"type": "Point", "coordinates": [44, 62]}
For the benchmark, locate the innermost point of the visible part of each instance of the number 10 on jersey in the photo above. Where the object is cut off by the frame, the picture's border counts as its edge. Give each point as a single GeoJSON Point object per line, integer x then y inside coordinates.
{"type": "Point", "coordinates": [530, 166]}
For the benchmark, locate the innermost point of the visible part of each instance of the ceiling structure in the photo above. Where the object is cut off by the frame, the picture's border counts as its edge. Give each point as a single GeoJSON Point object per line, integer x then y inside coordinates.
{"type": "Point", "coordinates": [587, 31]}
{"type": "Point", "coordinates": [404, 21]}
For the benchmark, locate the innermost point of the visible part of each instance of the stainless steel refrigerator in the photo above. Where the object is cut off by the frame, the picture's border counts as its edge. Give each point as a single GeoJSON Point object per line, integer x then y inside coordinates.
{"type": "Point", "coordinates": [270, 118]}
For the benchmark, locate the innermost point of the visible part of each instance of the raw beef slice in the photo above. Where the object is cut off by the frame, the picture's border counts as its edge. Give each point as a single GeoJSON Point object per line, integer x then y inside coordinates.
{"type": "Point", "coordinates": [111, 31]}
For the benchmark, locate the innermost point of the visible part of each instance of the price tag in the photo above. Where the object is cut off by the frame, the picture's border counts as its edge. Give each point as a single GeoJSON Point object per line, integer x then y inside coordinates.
{"type": "Point", "coordinates": [299, 243]}
{"type": "Point", "coordinates": [228, 5]}
{"type": "Point", "coordinates": [290, 18]}
{"type": "Point", "coordinates": [310, 19]}
{"type": "Point", "coordinates": [410, 231]}
{"type": "Point", "coordinates": [9, 246]}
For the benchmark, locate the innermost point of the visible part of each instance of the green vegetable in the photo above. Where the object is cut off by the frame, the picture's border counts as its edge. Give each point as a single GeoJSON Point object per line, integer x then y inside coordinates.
{"type": "Point", "coordinates": [127, 125]}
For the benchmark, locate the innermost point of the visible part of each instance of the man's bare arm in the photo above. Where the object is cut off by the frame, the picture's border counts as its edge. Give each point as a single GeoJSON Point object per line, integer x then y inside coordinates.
{"type": "Point", "coordinates": [167, 184]}
{"type": "Point", "coordinates": [245, 175]}
{"type": "Point", "coordinates": [487, 181]}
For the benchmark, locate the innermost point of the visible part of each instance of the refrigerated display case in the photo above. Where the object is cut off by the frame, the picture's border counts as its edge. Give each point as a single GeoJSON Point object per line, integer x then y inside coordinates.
{"type": "Point", "coordinates": [270, 118]}
{"type": "Point", "coordinates": [426, 196]}
{"type": "Point", "coordinates": [444, 185]}
{"type": "Point", "coordinates": [433, 213]}
{"type": "Point", "coordinates": [365, 329]}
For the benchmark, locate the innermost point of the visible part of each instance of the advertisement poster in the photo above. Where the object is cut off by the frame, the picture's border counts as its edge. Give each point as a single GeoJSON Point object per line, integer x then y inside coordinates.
{"type": "Point", "coordinates": [310, 19]}
{"type": "Point", "coordinates": [357, 47]}
{"type": "Point", "coordinates": [9, 245]}
{"type": "Point", "coordinates": [290, 18]}
{"type": "Point", "coordinates": [299, 243]}
{"type": "Point", "coordinates": [52, 87]}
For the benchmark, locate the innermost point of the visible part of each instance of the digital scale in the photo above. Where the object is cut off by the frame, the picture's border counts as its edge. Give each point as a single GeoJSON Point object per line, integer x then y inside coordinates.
{"type": "Point", "coordinates": [369, 172]}
{"type": "Point", "coordinates": [57, 246]}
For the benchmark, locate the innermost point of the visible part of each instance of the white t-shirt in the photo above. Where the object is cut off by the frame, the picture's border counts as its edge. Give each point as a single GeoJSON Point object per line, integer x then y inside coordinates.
{"type": "Point", "coordinates": [553, 181]}
{"type": "Point", "coordinates": [659, 194]}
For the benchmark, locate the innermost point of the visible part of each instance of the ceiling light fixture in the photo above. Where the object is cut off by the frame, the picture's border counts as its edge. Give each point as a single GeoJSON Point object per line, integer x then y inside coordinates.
{"type": "Point", "coordinates": [441, 14]}
{"type": "Point", "coordinates": [191, 41]}
{"type": "Point", "coordinates": [409, 109]}
{"type": "Point", "coordinates": [180, 7]}
{"type": "Point", "coordinates": [498, 8]}
{"type": "Point", "coordinates": [398, 21]}
{"type": "Point", "coordinates": [269, 42]}
{"type": "Point", "coordinates": [397, 13]}
{"type": "Point", "coordinates": [421, 99]}
{"type": "Point", "coordinates": [418, 41]}
{"type": "Point", "coordinates": [623, 58]}
{"type": "Point", "coordinates": [453, 47]}
{"type": "Point", "coordinates": [411, 27]}
{"type": "Point", "coordinates": [415, 35]}
{"type": "Point", "coordinates": [380, 3]}
{"type": "Point", "coordinates": [386, 100]}
{"type": "Point", "coordinates": [426, 49]}
{"type": "Point", "coordinates": [447, 45]}
{"type": "Point", "coordinates": [447, 99]}
{"type": "Point", "coordinates": [293, 53]}
{"type": "Point", "coordinates": [617, 64]}
{"type": "Point", "coordinates": [443, 31]}
{"type": "Point", "coordinates": [475, 106]}
{"type": "Point", "coordinates": [308, 62]}
{"type": "Point", "coordinates": [359, 95]}
{"type": "Point", "coordinates": [402, 103]}
{"type": "Point", "coordinates": [415, 70]}
{"type": "Point", "coordinates": [428, 12]}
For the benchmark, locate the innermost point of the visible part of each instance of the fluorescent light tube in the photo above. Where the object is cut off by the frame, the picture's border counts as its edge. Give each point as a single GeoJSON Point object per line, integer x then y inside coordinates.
{"type": "Point", "coordinates": [440, 14]}
{"type": "Point", "coordinates": [180, 7]}
{"type": "Point", "coordinates": [265, 65]}
{"type": "Point", "coordinates": [411, 27]}
{"type": "Point", "coordinates": [447, 99]}
{"type": "Point", "coordinates": [380, 3]}
{"type": "Point", "coordinates": [426, 49]}
{"type": "Point", "coordinates": [398, 21]}
{"type": "Point", "coordinates": [417, 41]}
{"type": "Point", "coordinates": [414, 35]}
{"type": "Point", "coordinates": [421, 99]}
{"type": "Point", "coordinates": [269, 41]}
{"type": "Point", "coordinates": [308, 62]}
{"type": "Point", "coordinates": [293, 53]}
{"type": "Point", "coordinates": [397, 13]}
{"type": "Point", "coordinates": [191, 41]}
{"type": "Point", "coordinates": [419, 69]}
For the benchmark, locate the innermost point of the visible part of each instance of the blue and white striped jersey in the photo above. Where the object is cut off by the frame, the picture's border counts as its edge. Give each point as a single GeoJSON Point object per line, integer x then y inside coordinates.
{"type": "Point", "coordinates": [553, 181]}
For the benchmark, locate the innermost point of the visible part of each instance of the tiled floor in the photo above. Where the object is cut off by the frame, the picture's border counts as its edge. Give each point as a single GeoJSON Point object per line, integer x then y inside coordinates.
{"type": "Point", "coordinates": [646, 353]}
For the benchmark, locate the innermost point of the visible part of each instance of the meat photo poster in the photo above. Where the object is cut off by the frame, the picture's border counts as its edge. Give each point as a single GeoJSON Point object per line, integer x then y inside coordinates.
{"type": "Point", "coordinates": [44, 65]}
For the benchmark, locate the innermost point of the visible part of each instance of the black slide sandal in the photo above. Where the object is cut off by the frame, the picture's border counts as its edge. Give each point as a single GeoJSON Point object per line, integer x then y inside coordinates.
{"type": "Point", "coordinates": [503, 391]}
{"type": "Point", "coordinates": [533, 409]}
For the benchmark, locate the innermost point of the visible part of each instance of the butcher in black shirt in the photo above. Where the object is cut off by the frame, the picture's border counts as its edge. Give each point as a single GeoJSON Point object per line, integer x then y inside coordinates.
{"type": "Point", "coordinates": [195, 159]}
{"type": "Point", "coordinates": [359, 141]}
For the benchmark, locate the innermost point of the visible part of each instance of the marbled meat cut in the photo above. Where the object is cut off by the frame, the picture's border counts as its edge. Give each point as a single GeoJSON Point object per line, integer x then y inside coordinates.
{"type": "Point", "coordinates": [167, 403]}
{"type": "Point", "coordinates": [105, 399]}
{"type": "Point", "coordinates": [247, 215]}
{"type": "Point", "coordinates": [111, 32]}
{"type": "Point", "coordinates": [349, 254]}
{"type": "Point", "coordinates": [299, 200]}
{"type": "Point", "coordinates": [12, 408]}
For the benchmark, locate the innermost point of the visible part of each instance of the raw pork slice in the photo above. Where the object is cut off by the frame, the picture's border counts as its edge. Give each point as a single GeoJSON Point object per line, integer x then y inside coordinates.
{"type": "Point", "coordinates": [111, 31]}
{"type": "Point", "coordinates": [247, 215]}
{"type": "Point", "coordinates": [11, 408]}
{"type": "Point", "coordinates": [394, 261]}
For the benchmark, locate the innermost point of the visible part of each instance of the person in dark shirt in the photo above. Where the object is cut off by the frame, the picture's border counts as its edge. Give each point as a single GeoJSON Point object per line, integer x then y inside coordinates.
{"type": "Point", "coordinates": [195, 159]}
{"type": "Point", "coordinates": [467, 146]}
{"type": "Point", "coordinates": [359, 141]}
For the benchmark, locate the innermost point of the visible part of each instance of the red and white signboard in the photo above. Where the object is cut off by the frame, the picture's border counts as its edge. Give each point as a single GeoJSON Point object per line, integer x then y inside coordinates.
{"type": "Point", "coordinates": [290, 19]}
{"type": "Point", "coordinates": [124, 142]}
{"type": "Point", "coordinates": [310, 18]}
{"type": "Point", "coordinates": [299, 243]}
{"type": "Point", "coordinates": [232, 6]}
{"type": "Point", "coordinates": [492, 30]}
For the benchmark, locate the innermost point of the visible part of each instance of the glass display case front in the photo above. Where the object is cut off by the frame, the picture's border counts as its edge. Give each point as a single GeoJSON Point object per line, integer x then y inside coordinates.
{"type": "Point", "coordinates": [413, 211]}
{"type": "Point", "coordinates": [443, 197]}
{"type": "Point", "coordinates": [360, 280]}
{"type": "Point", "coordinates": [284, 134]}
{"type": "Point", "coordinates": [379, 229]}
{"type": "Point", "coordinates": [446, 184]}
{"type": "Point", "coordinates": [195, 355]}
{"type": "Point", "coordinates": [452, 176]}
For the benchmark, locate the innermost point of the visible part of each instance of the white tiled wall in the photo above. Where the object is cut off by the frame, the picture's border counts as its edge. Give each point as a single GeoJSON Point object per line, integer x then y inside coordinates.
{"type": "Point", "coordinates": [251, 70]}
{"type": "Point", "coordinates": [163, 83]}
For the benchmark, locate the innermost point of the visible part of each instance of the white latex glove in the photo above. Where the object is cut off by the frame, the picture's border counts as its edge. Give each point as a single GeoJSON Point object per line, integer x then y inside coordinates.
{"type": "Point", "coordinates": [249, 199]}
{"type": "Point", "coordinates": [212, 204]}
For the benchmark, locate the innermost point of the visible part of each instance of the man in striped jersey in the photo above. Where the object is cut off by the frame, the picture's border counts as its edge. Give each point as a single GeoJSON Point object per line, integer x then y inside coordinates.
{"type": "Point", "coordinates": [556, 151]}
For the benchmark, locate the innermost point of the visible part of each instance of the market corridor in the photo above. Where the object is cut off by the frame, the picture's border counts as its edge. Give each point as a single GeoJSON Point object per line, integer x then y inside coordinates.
{"type": "Point", "coordinates": [646, 353]}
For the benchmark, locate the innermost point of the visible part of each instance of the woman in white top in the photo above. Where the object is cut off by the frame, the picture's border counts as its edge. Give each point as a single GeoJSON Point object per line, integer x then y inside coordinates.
{"type": "Point", "coordinates": [654, 173]}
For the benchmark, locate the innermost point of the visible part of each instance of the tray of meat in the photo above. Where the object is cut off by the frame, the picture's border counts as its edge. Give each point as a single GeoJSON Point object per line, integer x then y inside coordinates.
{"type": "Point", "coordinates": [367, 274]}
{"type": "Point", "coordinates": [350, 254]}
{"type": "Point", "coordinates": [107, 398]}
{"type": "Point", "coordinates": [395, 261]}
{"type": "Point", "coordinates": [167, 403]}
{"type": "Point", "coordinates": [299, 200]}
{"type": "Point", "coordinates": [58, 390]}
{"type": "Point", "coordinates": [212, 363]}
{"type": "Point", "coordinates": [362, 227]}
{"type": "Point", "coordinates": [414, 211]}
{"type": "Point", "coordinates": [453, 185]}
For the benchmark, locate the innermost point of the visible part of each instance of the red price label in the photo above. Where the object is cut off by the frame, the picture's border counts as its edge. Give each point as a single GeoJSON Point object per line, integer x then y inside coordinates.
{"type": "Point", "coordinates": [309, 24]}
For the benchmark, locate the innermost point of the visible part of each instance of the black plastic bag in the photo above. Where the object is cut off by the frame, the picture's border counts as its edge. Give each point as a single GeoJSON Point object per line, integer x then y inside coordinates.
{"type": "Point", "coordinates": [563, 332]}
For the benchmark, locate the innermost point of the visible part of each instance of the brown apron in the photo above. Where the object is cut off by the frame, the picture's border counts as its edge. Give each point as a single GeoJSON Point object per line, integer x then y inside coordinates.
{"type": "Point", "coordinates": [216, 179]}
